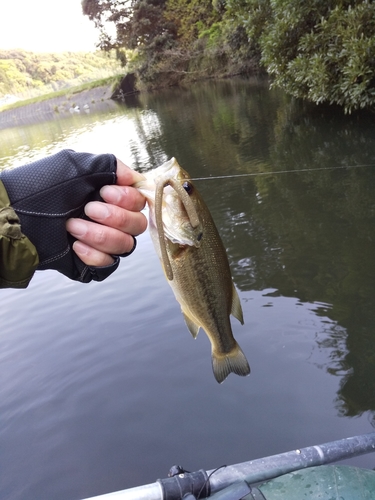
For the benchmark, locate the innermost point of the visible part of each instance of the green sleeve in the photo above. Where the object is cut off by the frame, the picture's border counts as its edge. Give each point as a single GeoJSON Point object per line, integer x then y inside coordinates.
{"type": "Point", "coordinates": [18, 256]}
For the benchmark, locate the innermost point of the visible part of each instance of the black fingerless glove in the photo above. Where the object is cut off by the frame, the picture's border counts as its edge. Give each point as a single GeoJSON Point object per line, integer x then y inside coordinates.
{"type": "Point", "coordinates": [47, 192]}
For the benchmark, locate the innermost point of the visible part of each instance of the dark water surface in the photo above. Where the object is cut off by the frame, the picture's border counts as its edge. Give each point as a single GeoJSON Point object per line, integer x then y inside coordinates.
{"type": "Point", "coordinates": [103, 388]}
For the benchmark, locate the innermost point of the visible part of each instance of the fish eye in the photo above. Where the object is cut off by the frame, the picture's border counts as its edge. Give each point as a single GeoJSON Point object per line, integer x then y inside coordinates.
{"type": "Point", "coordinates": [188, 187]}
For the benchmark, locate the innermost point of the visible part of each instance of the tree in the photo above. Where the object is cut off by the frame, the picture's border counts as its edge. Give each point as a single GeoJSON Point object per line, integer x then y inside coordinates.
{"type": "Point", "coordinates": [191, 18]}
{"type": "Point", "coordinates": [321, 50]}
{"type": "Point", "coordinates": [133, 24]}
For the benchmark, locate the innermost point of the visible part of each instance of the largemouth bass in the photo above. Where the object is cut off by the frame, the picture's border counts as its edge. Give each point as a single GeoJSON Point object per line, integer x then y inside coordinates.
{"type": "Point", "coordinates": [195, 263]}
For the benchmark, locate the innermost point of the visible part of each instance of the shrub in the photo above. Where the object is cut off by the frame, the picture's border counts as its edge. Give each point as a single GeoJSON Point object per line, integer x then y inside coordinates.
{"type": "Point", "coordinates": [322, 51]}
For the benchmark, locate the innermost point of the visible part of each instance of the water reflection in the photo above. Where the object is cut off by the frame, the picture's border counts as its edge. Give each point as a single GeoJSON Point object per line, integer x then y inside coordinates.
{"type": "Point", "coordinates": [104, 385]}
{"type": "Point", "coordinates": [306, 228]}
{"type": "Point", "coordinates": [307, 232]}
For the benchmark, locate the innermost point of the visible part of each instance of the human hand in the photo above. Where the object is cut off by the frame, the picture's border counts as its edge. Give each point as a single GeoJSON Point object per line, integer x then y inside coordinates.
{"type": "Point", "coordinates": [114, 222]}
{"type": "Point", "coordinates": [67, 185]}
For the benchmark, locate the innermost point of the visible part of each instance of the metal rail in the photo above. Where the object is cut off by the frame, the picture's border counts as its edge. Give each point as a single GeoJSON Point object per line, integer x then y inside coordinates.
{"type": "Point", "coordinates": [254, 471]}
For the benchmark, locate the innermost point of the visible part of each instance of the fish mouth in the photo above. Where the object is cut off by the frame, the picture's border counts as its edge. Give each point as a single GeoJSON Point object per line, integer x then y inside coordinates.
{"type": "Point", "coordinates": [168, 165]}
{"type": "Point", "coordinates": [166, 171]}
{"type": "Point", "coordinates": [169, 170]}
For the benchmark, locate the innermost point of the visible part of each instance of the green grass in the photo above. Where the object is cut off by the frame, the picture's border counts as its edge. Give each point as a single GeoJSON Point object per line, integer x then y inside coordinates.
{"type": "Point", "coordinates": [111, 80]}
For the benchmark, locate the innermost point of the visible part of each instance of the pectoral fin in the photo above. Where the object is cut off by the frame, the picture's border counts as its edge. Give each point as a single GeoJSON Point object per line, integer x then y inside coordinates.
{"type": "Point", "coordinates": [193, 327]}
{"type": "Point", "coordinates": [236, 310]}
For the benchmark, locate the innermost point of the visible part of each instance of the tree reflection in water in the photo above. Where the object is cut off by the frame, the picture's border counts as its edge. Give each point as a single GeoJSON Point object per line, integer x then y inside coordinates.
{"type": "Point", "coordinates": [307, 230]}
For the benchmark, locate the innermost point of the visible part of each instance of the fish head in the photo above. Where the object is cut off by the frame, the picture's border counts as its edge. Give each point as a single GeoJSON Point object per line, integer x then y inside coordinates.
{"type": "Point", "coordinates": [179, 201]}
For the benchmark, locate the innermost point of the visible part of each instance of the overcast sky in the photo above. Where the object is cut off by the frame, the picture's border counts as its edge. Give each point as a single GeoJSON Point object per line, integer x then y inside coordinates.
{"type": "Point", "coordinates": [45, 26]}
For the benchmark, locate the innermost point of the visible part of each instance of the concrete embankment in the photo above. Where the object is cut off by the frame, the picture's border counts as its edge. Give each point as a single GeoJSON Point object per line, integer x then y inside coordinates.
{"type": "Point", "coordinates": [96, 99]}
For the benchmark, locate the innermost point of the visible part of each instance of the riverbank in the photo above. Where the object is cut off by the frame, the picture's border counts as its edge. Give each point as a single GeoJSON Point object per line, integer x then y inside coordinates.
{"type": "Point", "coordinates": [60, 104]}
{"type": "Point", "coordinates": [98, 96]}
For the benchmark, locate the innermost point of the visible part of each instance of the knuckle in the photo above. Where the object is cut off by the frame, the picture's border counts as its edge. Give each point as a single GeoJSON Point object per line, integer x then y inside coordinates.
{"type": "Point", "coordinates": [123, 219]}
{"type": "Point", "coordinates": [134, 199]}
{"type": "Point", "coordinates": [100, 235]}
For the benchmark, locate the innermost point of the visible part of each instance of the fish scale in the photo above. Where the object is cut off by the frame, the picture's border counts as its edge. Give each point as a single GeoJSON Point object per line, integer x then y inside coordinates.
{"type": "Point", "coordinates": [195, 263]}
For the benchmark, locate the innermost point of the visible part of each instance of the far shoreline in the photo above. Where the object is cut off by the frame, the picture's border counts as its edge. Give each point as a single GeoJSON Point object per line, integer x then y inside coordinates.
{"type": "Point", "coordinates": [97, 96]}
{"type": "Point", "coordinates": [84, 98]}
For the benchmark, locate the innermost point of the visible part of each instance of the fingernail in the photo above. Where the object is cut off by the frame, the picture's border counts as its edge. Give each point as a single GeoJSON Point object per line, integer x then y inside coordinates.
{"type": "Point", "coordinates": [110, 194]}
{"type": "Point", "coordinates": [80, 248]}
{"type": "Point", "coordinates": [97, 211]}
{"type": "Point", "coordinates": [77, 228]}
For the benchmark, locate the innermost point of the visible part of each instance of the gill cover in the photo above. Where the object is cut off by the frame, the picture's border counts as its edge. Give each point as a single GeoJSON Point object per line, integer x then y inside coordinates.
{"type": "Point", "coordinates": [190, 211]}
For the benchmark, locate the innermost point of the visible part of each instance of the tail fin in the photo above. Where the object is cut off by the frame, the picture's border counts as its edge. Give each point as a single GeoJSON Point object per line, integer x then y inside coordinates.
{"type": "Point", "coordinates": [232, 362]}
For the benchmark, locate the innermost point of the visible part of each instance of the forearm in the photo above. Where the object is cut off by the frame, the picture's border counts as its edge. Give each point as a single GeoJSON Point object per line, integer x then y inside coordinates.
{"type": "Point", "coordinates": [18, 256]}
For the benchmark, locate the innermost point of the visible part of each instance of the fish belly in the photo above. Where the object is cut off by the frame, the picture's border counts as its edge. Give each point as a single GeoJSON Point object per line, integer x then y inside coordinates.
{"type": "Point", "coordinates": [204, 289]}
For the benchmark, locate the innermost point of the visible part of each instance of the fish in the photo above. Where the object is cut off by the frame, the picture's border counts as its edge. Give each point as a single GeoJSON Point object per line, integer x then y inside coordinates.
{"type": "Point", "coordinates": [195, 263]}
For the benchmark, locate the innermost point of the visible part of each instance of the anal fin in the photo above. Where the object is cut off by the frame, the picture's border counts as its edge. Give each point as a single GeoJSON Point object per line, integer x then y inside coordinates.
{"type": "Point", "coordinates": [193, 327]}
{"type": "Point", "coordinates": [236, 310]}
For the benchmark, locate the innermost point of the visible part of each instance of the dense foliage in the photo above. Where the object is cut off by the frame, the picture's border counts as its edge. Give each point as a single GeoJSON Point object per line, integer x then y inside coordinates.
{"type": "Point", "coordinates": [322, 50]}
{"type": "Point", "coordinates": [23, 72]}
{"type": "Point", "coordinates": [174, 39]}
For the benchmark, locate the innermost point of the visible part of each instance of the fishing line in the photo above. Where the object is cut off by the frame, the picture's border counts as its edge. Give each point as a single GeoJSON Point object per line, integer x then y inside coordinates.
{"type": "Point", "coordinates": [208, 479]}
{"type": "Point", "coordinates": [253, 174]}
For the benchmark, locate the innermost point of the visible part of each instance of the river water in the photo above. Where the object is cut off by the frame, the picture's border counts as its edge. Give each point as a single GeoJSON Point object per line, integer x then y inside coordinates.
{"type": "Point", "coordinates": [102, 386]}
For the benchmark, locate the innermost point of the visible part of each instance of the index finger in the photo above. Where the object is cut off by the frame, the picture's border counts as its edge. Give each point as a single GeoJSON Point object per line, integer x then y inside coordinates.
{"type": "Point", "coordinates": [127, 176]}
